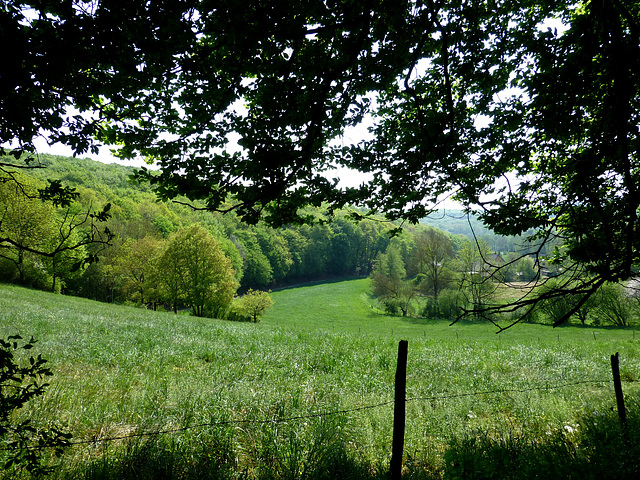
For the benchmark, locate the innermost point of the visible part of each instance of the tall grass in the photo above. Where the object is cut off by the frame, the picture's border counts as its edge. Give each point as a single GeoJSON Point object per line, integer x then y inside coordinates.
{"type": "Point", "coordinates": [242, 400]}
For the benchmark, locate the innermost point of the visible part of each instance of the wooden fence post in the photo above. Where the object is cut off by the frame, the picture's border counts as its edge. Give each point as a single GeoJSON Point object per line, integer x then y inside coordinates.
{"type": "Point", "coordinates": [617, 385]}
{"type": "Point", "coordinates": [397, 448]}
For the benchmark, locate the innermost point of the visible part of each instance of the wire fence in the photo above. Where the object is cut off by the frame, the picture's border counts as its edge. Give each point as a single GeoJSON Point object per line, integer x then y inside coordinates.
{"type": "Point", "coordinates": [310, 416]}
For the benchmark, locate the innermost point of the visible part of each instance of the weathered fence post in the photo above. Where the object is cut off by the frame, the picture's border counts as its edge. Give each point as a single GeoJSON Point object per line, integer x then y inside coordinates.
{"type": "Point", "coordinates": [617, 385]}
{"type": "Point", "coordinates": [397, 448]}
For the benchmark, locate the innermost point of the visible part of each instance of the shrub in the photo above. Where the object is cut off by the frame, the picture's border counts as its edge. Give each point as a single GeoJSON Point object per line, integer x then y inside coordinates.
{"type": "Point", "coordinates": [431, 308]}
{"type": "Point", "coordinates": [22, 442]}
{"type": "Point", "coordinates": [251, 306]}
{"type": "Point", "coordinates": [614, 306]}
{"type": "Point", "coordinates": [447, 305]}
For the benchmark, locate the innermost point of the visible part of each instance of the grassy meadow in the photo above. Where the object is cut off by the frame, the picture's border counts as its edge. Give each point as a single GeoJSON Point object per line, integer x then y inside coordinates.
{"type": "Point", "coordinates": [308, 391]}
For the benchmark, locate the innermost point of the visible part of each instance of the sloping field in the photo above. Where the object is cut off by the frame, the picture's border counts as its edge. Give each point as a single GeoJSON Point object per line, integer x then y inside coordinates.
{"type": "Point", "coordinates": [309, 389]}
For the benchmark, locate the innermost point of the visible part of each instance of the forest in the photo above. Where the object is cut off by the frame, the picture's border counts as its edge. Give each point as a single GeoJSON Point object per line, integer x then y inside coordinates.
{"type": "Point", "coordinates": [169, 255]}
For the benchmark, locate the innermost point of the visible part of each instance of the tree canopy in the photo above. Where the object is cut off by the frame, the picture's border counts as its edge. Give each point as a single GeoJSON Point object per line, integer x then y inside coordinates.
{"type": "Point", "coordinates": [527, 112]}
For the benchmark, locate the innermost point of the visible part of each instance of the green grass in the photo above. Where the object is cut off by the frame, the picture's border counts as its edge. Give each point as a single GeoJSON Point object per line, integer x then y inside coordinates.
{"type": "Point", "coordinates": [348, 307]}
{"type": "Point", "coordinates": [121, 371]}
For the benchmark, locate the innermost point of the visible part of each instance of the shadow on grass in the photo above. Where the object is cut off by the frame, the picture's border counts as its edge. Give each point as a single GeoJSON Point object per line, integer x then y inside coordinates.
{"type": "Point", "coordinates": [314, 283]}
{"type": "Point", "coordinates": [597, 447]}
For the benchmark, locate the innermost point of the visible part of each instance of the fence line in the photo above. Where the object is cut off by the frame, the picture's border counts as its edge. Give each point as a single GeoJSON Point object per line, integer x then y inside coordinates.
{"type": "Point", "coordinates": [509, 390]}
{"type": "Point", "coordinates": [324, 414]}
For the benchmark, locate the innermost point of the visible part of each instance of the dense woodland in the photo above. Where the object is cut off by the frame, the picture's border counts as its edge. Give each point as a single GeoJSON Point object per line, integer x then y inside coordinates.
{"type": "Point", "coordinates": [148, 234]}
{"type": "Point", "coordinates": [165, 254]}
{"type": "Point", "coordinates": [527, 116]}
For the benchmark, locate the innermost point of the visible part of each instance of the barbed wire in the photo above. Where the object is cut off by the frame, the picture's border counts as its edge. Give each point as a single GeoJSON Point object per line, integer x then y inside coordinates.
{"type": "Point", "coordinates": [235, 422]}
{"type": "Point", "coordinates": [508, 390]}
{"type": "Point", "coordinates": [324, 414]}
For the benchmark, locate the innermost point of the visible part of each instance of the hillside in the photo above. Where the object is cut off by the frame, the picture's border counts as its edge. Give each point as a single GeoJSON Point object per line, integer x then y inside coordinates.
{"type": "Point", "coordinates": [230, 391]}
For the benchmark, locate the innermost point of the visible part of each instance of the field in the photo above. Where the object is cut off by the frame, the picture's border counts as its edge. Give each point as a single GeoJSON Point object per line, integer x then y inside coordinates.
{"type": "Point", "coordinates": [307, 392]}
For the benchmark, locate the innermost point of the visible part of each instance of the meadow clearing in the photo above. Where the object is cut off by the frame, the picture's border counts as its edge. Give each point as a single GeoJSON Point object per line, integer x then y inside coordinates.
{"type": "Point", "coordinates": [308, 391]}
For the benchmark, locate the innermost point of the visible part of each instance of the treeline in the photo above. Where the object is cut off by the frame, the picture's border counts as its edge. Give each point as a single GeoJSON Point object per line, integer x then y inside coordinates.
{"type": "Point", "coordinates": [437, 275]}
{"type": "Point", "coordinates": [135, 266]}
{"type": "Point", "coordinates": [172, 256]}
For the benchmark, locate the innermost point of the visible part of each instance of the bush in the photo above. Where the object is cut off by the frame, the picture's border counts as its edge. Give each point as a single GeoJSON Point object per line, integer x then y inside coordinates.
{"type": "Point", "coordinates": [250, 307]}
{"type": "Point", "coordinates": [447, 306]}
{"type": "Point", "coordinates": [431, 309]}
{"type": "Point", "coordinates": [390, 305]}
{"type": "Point", "coordinates": [22, 442]}
{"type": "Point", "coordinates": [8, 271]}
{"type": "Point", "coordinates": [614, 306]}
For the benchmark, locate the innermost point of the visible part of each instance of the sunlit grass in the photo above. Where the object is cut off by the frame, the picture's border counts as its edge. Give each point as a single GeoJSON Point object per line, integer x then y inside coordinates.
{"type": "Point", "coordinates": [121, 371]}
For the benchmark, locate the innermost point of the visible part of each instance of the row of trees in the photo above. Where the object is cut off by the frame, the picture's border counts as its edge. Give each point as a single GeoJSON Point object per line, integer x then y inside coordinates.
{"type": "Point", "coordinates": [446, 276]}
{"type": "Point", "coordinates": [450, 275]}
{"type": "Point", "coordinates": [150, 252]}
{"type": "Point", "coordinates": [190, 268]}
{"type": "Point", "coordinates": [153, 247]}
{"type": "Point", "coordinates": [262, 257]}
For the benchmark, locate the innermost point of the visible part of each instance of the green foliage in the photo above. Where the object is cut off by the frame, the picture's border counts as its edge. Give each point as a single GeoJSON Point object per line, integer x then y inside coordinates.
{"type": "Point", "coordinates": [559, 307]}
{"type": "Point", "coordinates": [449, 305]}
{"type": "Point", "coordinates": [476, 280]}
{"type": "Point", "coordinates": [614, 305]}
{"type": "Point", "coordinates": [389, 282]}
{"type": "Point", "coordinates": [258, 271]}
{"type": "Point", "coordinates": [262, 257]}
{"type": "Point", "coordinates": [195, 270]}
{"type": "Point", "coordinates": [137, 265]}
{"type": "Point", "coordinates": [525, 113]}
{"type": "Point", "coordinates": [517, 268]}
{"type": "Point", "coordinates": [27, 224]}
{"type": "Point", "coordinates": [47, 238]}
{"type": "Point", "coordinates": [20, 384]}
{"type": "Point", "coordinates": [433, 258]}
{"type": "Point", "coordinates": [251, 305]}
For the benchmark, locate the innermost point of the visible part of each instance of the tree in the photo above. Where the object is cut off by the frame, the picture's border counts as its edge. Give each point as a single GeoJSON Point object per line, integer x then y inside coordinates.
{"type": "Point", "coordinates": [275, 248]}
{"type": "Point", "coordinates": [93, 55]}
{"type": "Point", "coordinates": [367, 250]}
{"type": "Point", "coordinates": [169, 273]}
{"type": "Point", "coordinates": [343, 258]}
{"type": "Point", "coordinates": [614, 305]}
{"type": "Point", "coordinates": [389, 283]}
{"type": "Point", "coordinates": [318, 251]}
{"type": "Point", "coordinates": [476, 275]}
{"type": "Point", "coordinates": [197, 272]}
{"type": "Point", "coordinates": [65, 263]}
{"type": "Point", "coordinates": [434, 252]}
{"type": "Point", "coordinates": [252, 304]}
{"type": "Point", "coordinates": [297, 245]}
{"type": "Point", "coordinates": [55, 235]}
{"type": "Point", "coordinates": [257, 268]}
{"type": "Point", "coordinates": [557, 308]}
{"type": "Point", "coordinates": [533, 126]}
{"type": "Point", "coordinates": [519, 269]}
{"type": "Point", "coordinates": [137, 263]}
{"type": "Point", "coordinates": [24, 222]}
